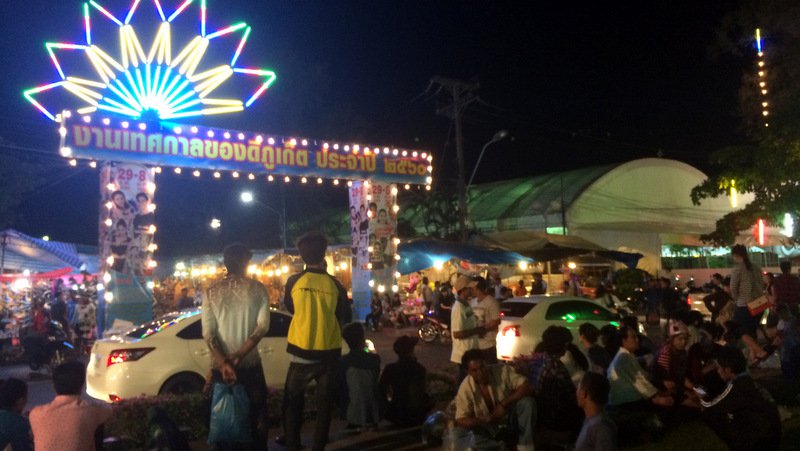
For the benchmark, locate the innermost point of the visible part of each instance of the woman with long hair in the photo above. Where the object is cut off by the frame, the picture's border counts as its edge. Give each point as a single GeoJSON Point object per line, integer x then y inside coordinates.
{"type": "Point", "coordinates": [747, 284]}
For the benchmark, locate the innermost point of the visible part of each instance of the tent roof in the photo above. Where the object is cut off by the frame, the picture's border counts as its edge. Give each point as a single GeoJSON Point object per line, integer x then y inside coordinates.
{"type": "Point", "coordinates": [37, 255]}
{"type": "Point", "coordinates": [537, 195]}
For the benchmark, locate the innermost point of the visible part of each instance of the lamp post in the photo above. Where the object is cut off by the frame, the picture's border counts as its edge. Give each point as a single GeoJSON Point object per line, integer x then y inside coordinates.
{"type": "Point", "coordinates": [499, 136]}
{"type": "Point", "coordinates": [247, 197]}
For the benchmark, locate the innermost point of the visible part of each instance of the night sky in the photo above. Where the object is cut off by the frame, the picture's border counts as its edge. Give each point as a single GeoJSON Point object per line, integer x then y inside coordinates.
{"type": "Point", "coordinates": [575, 83]}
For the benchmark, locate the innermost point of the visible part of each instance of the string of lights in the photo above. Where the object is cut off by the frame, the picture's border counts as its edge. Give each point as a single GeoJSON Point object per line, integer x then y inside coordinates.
{"type": "Point", "coordinates": [762, 79]}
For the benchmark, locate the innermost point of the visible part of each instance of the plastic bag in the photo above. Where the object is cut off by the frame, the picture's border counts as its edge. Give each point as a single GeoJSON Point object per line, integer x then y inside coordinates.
{"type": "Point", "coordinates": [229, 415]}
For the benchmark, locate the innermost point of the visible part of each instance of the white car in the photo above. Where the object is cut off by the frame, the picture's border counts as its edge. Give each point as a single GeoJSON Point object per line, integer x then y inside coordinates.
{"type": "Point", "coordinates": [169, 355]}
{"type": "Point", "coordinates": [524, 319]}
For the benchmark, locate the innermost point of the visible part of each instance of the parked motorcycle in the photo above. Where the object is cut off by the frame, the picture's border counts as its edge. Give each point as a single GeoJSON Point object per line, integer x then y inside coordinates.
{"type": "Point", "coordinates": [51, 350]}
{"type": "Point", "coordinates": [435, 327]}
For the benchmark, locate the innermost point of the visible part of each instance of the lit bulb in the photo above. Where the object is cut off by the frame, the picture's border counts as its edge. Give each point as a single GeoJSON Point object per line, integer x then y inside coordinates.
{"type": "Point", "coordinates": [303, 180]}
{"type": "Point", "coordinates": [287, 179]}
{"type": "Point", "coordinates": [395, 208]}
{"type": "Point", "coordinates": [407, 186]}
{"type": "Point", "coordinates": [210, 133]}
{"type": "Point", "coordinates": [110, 260]}
{"type": "Point", "coordinates": [73, 162]}
{"type": "Point", "coordinates": [343, 266]}
{"type": "Point", "coordinates": [336, 182]}
{"type": "Point", "coordinates": [196, 173]}
{"type": "Point", "coordinates": [370, 249]}
{"type": "Point", "coordinates": [194, 129]}
{"type": "Point", "coordinates": [325, 146]}
{"type": "Point", "coordinates": [395, 288]}
{"type": "Point", "coordinates": [62, 131]}
{"type": "Point", "coordinates": [235, 174]}
{"type": "Point", "coordinates": [109, 204]}
{"type": "Point", "coordinates": [142, 126]}
{"type": "Point", "coordinates": [111, 187]}
{"type": "Point", "coordinates": [396, 241]}
{"type": "Point", "coordinates": [251, 177]}
{"type": "Point", "coordinates": [107, 277]}
{"type": "Point", "coordinates": [319, 180]}
{"type": "Point", "coordinates": [270, 178]}
{"type": "Point", "coordinates": [427, 187]}
{"type": "Point", "coordinates": [227, 135]}
{"type": "Point", "coordinates": [397, 257]}
{"type": "Point", "coordinates": [371, 283]}
{"type": "Point", "coordinates": [152, 228]}
{"type": "Point", "coordinates": [369, 265]}
{"type": "Point", "coordinates": [285, 269]}
{"type": "Point", "coordinates": [241, 136]}
{"type": "Point", "coordinates": [151, 208]}
{"type": "Point", "coordinates": [177, 130]}
{"type": "Point", "coordinates": [65, 152]}
{"type": "Point", "coordinates": [108, 222]}
{"type": "Point", "coordinates": [108, 296]}
{"type": "Point", "coordinates": [394, 190]}
{"type": "Point", "coordinates": [349, 183]}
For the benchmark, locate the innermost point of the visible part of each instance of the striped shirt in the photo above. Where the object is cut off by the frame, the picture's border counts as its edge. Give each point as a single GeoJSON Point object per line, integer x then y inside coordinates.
{"type": "Point", "coordinates": [746, 285]}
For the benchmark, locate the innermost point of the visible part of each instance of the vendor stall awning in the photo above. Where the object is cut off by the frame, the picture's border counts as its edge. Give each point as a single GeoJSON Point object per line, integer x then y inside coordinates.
{"type": "Point", "coordinates": [542, 246]}
{"type": "Point", "coordinates": [26, 252]}
{"type": "Point", "coordinates": [416, 255]}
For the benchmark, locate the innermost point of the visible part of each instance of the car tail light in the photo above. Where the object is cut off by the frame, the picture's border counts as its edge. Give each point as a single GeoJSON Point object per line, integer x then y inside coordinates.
{"type": "Point", "coordinates": [126, 355]}
{"type": "Point", "coordinates": [114, 398]}
{"type": "Point", "coordinates": [689, 300]}
{"type": "Point", "coordinates": [510, 331]}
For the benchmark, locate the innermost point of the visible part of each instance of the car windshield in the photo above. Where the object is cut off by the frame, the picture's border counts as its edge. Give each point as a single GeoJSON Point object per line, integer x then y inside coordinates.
{"type": "Point", "coordinates": [516, 309]}
{"type": "Point", "coordinates": [157, 325]}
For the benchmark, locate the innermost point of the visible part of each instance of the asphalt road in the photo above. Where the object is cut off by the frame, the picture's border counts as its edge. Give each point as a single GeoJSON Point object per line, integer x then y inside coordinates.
{"type": "Point", "coordinates": [433, 356]}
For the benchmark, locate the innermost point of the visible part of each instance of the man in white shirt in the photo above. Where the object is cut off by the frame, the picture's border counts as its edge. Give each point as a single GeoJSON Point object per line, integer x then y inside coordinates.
{"type": "Point", "coordinates": [235, 318]}
{"type": "Point", "coordinates": [487, 312]}
{"type": "Point", "coordinates": [630, 385]}
{"type": "Point", "coordinates": [463, 323]}
{"type": "Point", "coordinates": [493, 400]}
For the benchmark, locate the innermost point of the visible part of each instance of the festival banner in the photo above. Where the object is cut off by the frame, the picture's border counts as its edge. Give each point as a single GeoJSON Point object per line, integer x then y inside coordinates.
{"type": "Point", "coordinates": [172, 144]}
{"type": "Point", "coordinates": [127, 218]}
{"type": "Point", "coordinates": [373, 226]}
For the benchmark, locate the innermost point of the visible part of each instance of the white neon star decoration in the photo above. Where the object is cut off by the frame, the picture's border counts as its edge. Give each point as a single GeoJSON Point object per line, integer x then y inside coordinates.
{"type": "Point", "coordinates": [137, 81]}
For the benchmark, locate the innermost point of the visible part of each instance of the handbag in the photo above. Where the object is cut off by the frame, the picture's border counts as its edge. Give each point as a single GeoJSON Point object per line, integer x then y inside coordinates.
{"type": "Point", "coordinates": [758, 305]}
{"type": "Point", "coordinates": [229, 415]}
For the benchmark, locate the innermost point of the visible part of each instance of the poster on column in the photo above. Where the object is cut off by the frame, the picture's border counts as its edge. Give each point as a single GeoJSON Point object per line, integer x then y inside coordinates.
{"type": "Point", "coordinates": [382, 226]}
{"type": "Point", "coordinates": [127, 218]}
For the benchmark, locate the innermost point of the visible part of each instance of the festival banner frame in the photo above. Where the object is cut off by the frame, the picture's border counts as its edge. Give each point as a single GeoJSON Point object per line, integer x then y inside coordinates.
{"type": "Point", "coordinates": [211, 148]}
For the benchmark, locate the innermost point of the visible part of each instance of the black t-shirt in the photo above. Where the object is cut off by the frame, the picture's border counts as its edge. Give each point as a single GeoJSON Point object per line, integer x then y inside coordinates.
{"type": "Point", "coordinates": [405, 381]}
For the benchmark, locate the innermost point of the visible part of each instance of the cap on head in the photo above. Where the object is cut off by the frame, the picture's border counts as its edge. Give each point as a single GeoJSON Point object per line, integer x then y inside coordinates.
{"type": "Point", "coordinates": [464, 282]}
{"type": "Point", "coordinates": [678, 328]}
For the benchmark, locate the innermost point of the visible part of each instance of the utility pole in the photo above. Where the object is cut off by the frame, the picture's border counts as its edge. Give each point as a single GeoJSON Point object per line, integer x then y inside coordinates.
{"type": "Point", "coordinates": [463, 93]}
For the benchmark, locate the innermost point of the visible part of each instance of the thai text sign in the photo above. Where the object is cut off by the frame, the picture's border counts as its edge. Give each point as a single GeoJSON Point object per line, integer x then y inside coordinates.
{"type": "Point", "coordinates": [170, 144]}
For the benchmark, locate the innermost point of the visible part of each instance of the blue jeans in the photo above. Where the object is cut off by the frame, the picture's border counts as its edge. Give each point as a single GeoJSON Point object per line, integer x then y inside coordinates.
{"type": "Point", "coordinates": [522, 419]}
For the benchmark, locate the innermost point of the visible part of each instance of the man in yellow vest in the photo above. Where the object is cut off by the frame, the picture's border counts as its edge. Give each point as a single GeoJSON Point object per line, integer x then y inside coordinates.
{"type": "Point", "coordinates": [320, 307]}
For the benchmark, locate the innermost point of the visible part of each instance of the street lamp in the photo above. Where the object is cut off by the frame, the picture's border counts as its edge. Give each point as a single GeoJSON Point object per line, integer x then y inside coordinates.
{"type": "Point", "coordinates": [247, 198]}
{"type": "Point", "coordinates": [499, 136]}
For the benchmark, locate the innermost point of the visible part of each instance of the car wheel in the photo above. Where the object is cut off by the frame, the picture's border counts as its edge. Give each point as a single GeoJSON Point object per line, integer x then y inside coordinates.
{"type": "Point", "coordinates": [428, 333]}
{"type": "Point", "coordinates": [183, 383]}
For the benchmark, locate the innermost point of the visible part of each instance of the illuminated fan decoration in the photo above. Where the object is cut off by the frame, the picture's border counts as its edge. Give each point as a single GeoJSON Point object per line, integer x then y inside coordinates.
{"type": "Point", "coordinates": [158, 81]}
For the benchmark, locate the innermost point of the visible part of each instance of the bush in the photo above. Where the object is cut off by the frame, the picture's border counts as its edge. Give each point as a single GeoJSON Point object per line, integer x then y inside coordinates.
{"type": "Point", "coordinates": [189, 412]}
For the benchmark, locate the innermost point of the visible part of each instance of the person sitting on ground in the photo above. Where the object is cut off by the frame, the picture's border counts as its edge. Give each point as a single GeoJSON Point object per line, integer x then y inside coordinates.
{"type": "Point", "coordinates": [403, 385]}
{"type": "Point", "coordinates": [15, 430]}
{"type": "Point", "coordinates": [489, 400]}
{"type": "Point", "coordinates": [597, 355]}
{"type": "Point", "coordinates": [631, 388]}
{"type": "Point", "coordinates": [671, 367]}
{"type": "Point", "coordinates": [552, 384]}
{"type": "Point", "coordinates": [744, 416]}
{"type": "Point", "coordinates": [645, 353]}
{"type": "Point", "coordinates": [373, 319]}
{"type": "Point", "coordinates": [702, 366]}
{"type": "Point", "coordinates": [718, 301]}
{"type": "Point", "coordinates": [598, 433]}
{"type": "Point", "coordinates": [357, 377]}
{"type": "Point", "coordinates": [610, 340]}
{"type": "Point", "coordinates": [788, 341]}
{"type": "Point", "coordinates": [69, 422]}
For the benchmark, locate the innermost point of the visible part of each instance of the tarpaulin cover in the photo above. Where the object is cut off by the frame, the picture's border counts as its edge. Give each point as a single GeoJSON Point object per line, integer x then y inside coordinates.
{"type": "Point", "coordinates": [38, 276]}
{"type": "Point", "coordinates": [416, 255]}
{"type": "Point", "coordinates": [542, 246]}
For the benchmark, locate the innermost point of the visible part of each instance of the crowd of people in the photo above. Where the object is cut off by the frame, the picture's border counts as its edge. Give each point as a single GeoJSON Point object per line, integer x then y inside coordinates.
{"type": "Point", "coordinates": [590, 391]}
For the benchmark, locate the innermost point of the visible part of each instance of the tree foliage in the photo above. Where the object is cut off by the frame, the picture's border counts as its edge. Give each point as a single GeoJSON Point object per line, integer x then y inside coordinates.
{"type": "Point", "coordinates": [767, 162]}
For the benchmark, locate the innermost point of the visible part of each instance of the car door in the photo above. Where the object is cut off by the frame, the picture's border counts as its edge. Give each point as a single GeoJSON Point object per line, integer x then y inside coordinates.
{"type": "Point", "coordinates": [272, 349]}
{"type": "Point", "coordinates": [192, 335]}
{"type": "Point", "coordinates": [572, 313]}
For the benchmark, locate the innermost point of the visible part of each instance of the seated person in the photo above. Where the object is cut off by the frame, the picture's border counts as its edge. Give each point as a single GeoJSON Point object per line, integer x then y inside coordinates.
{"type": "Point", "coordinates": [671, 368]}
{"type": "Point", "coordinates": [645, 353]}
{"type": "Point", "coordinates": [489, 400]}
{"type": "Point", "coordinates": [357, 377]}
{"type": "Point", "coordinates": [744, 415]}
{"type": "Point", "coordinates": [554, 391]}
{"type": "Point", "coordinates": [403, 385]}
{"type": "Point", "coordinates": [598, 433]}
{"type": "Point", "coordinates": [597, 355]}
{"type": "Point", "coordinates": [69, 422]}
{"type": "Point", "coordinates": [15, 430]}
{"type": "Point", "coordinates": [788, 341]}
{"type": "Point", "coordinates": [631, 388]}
{"type": "Point", "coordinates": [702, 366]}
